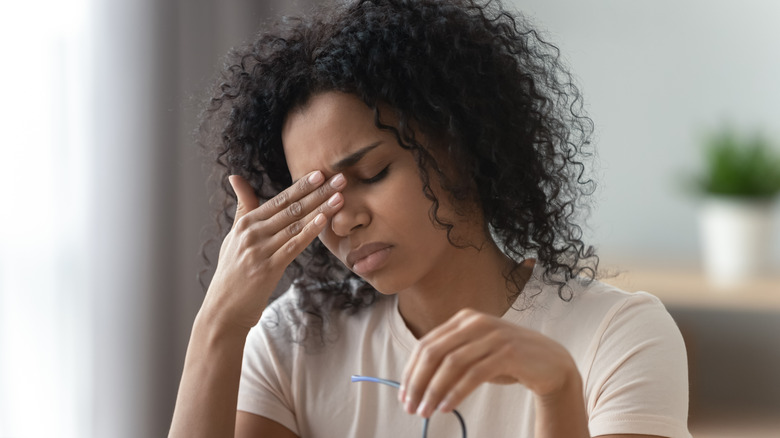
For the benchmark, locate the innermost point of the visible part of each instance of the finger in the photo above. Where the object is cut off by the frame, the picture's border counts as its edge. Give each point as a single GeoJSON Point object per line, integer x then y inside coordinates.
{"type": "Point", "coordinates": [246, 200]}
{"type": "Point", "coordinates": [450, 327]}
{"type": "Point", "coordinates": [291, 195]}
{"type": "Point", "coordinates": [484, 370]}
{"type": "Point", "coordinates": [452, 370]}
{"type": "Point", "coordinates": [429, 360]}
{"type": "Point", "coordinates": [307, 207]}
{"type": "Point", "coordinates": [429, 356]}
{"type": "Point", "coordinates": [294, 246]}
{"type": "Point", "coordinates": [292, 229]}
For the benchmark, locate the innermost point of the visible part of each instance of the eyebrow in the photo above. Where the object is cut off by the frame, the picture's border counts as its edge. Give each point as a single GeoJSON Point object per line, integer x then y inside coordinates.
{"type": "Point", "coordinates": [354, 158]}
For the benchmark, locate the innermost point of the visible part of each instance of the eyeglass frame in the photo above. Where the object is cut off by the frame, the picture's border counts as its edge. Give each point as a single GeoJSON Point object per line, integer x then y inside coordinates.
{"type": "Point", "coordinates": [394, 384]}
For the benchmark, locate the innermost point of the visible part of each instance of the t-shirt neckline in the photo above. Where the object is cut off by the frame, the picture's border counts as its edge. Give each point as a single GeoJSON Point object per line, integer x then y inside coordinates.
{"type": "Point", "coordinates": [406, 339]}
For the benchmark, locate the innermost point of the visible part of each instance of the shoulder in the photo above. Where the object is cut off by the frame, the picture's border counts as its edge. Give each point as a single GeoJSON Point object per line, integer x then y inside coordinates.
{"type": "Point", "coordinates": [597, 315]}
{"type": "Point", "coordinates": [592, 302]}
{"type": "Point", "coordinates": [287, 321]}
{"type": "Point", "coordinates": [630, 354]}
{"type": "Point", "coordinates": [278, 346]}
{"type": "Point", "coordinates": [600, 303]}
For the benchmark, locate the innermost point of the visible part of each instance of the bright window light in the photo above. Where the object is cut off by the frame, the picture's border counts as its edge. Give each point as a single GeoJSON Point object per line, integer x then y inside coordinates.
{"type": "Point", "coordinates": [44, 173]}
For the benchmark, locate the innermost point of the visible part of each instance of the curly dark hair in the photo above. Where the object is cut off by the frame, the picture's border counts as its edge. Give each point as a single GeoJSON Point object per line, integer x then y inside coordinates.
{"type": "Point", "coordinates": [470, 73]}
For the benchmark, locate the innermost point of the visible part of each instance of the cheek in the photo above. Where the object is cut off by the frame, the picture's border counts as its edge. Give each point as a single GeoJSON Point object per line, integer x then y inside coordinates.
{"type": "Point", "coordinates": [409, 210]}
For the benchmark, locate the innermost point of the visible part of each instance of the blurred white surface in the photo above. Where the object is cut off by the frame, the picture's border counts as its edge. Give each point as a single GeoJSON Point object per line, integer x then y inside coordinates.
{"type": "Point", "coordinates": [44, 236]}
{"type": "Point", "coordinates": [734, 243]}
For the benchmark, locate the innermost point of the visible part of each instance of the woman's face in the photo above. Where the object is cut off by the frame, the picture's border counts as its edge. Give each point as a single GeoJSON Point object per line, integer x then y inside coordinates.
{"type": "Point", "coordinates": [383, 232]}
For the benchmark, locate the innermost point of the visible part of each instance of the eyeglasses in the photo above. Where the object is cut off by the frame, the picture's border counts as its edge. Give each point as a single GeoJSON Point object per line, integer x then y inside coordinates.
{"type": "Point", "coordinates": [395, 384]}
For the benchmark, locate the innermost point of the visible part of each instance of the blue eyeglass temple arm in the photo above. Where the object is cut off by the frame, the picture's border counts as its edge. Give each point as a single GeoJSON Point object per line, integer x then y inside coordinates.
{"type": "Point", "coordinates": [395, 384]}
{"type": "Point", "coordinates": [392, 383]}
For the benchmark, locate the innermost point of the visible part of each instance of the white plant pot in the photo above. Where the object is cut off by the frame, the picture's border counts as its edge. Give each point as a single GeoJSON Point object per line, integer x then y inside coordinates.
{"type": "Point", "coordinates": [735, 238]}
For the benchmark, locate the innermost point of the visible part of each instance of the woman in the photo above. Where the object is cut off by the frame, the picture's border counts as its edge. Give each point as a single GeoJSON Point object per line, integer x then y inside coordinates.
{"type": "Point", "coordinates": [416, 167]}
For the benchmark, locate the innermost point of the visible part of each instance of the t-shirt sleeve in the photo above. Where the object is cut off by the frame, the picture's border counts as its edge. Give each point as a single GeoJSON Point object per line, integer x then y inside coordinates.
{"type": "Point", "coordinates": [638, 381]}
{"type": "Point", "coordinates": [265, 387]}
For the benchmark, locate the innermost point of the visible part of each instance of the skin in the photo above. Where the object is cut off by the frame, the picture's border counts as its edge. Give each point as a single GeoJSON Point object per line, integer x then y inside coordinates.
{"type": "Point", "coordinates": [264, 239]}
{"type": "Point", "coordinates": [451, 298]}
{"type": "Point", "coordinates": [422, 262]}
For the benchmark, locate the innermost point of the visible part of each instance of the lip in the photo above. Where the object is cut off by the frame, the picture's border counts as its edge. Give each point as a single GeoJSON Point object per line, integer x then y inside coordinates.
{"type": "Point", "coordinates": [363, 251]}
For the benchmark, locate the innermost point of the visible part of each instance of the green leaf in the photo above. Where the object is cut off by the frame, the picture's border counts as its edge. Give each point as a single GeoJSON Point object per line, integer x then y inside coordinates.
{"type": "Point", "coordinates": [740, 165]}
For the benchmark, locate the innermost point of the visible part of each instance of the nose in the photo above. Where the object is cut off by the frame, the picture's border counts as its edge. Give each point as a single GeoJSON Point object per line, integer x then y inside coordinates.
{"type": "Point", "coordinates": [352, 216]}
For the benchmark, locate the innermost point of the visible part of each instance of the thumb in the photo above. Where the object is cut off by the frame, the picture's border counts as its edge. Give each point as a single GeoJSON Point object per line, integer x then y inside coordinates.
{"type": "Point", "coordinates": [246, 199]}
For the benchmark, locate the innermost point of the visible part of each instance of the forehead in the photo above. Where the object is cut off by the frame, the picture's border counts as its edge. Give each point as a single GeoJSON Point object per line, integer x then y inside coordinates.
{"type": "Point", "coordinates": [327, 128]}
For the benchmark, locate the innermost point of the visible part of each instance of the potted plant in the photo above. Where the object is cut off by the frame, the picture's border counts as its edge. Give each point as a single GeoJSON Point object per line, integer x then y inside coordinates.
{"type": "Point", "coordinates": [740, 181]}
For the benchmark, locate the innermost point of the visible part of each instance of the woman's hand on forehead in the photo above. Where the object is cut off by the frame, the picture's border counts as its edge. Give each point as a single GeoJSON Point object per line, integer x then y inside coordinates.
{"type": "Point", "coordinates": [264, 240]}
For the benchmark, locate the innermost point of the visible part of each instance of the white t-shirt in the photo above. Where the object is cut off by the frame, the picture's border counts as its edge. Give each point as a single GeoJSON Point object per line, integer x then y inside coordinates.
{"type": "Point", "coordinates": [626, 346]}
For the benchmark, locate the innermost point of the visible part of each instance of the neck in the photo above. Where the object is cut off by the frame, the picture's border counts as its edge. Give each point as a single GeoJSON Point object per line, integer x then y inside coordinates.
{"type": "Point", "coordinates": [470, 278]}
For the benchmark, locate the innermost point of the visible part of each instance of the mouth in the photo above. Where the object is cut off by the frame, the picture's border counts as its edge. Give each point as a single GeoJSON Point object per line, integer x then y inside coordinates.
{"type": "Point", "coordinates": [369, 257]}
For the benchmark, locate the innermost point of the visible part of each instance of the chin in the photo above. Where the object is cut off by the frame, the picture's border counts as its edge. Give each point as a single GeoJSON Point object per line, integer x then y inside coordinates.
{"type": "Point", "coordinates": [383, 284]}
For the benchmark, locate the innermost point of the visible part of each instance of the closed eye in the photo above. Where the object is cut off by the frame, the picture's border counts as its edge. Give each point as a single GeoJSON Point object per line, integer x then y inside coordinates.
{"type": "Point", "coordinates": [376, 178]}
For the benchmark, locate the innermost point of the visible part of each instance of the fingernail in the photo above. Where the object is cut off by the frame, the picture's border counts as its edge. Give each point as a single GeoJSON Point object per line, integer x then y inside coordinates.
{"type": "Point", "coordinates": [421, 410]}
{"type": "Point", "coordinates": [338, 181]}
{"type": "Point", "coordinates": [401, 394]}
{"type": "Point", "coordinates": [316, 177]}
{"type": "Point", "coordinates": [334, 200]}
{"type": "Point", "coordinates": [444, 406]}
{"type": "Point", "coordinates": [320, 219]}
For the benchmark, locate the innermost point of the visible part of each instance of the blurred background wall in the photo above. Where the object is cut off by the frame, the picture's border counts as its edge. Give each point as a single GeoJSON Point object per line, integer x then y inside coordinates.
{"type": "Point", "coordinates": [656, 75]}
{"type": "Point", "coordinates": [104, 195]}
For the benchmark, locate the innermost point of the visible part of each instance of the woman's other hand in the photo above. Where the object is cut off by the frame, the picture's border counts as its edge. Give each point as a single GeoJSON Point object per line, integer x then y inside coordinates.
{"type": "Point", "coordinates": [263, 241]}
{"type": "Point", "coordinates": [473, 348]}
